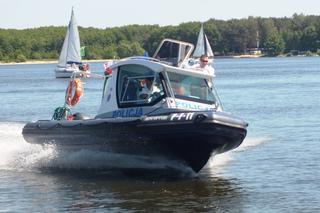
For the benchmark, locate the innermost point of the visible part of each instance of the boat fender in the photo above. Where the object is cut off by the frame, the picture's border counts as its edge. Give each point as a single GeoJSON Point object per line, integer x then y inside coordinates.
{"type": "Point", "coordinates": [73, 92]}
{"type": "Point", "coordinates": [200, 117]}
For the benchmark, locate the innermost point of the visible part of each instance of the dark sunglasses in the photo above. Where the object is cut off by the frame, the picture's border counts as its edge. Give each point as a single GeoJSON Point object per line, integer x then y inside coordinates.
{"type": "Point", "coordinates": [204, 61]}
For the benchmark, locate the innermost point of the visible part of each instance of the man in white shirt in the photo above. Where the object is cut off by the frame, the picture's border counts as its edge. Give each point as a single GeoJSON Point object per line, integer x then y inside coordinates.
{"type": "Point", "coordinates": [204, 66]}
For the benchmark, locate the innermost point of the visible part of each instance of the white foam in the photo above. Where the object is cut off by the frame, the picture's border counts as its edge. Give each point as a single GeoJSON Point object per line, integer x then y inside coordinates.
{"type": "Point", "coordinates": [251, 143]}
{"type": "Point", "coordinates": [217, 162]}
{"type": "Point", "coordinates": [15, 153]}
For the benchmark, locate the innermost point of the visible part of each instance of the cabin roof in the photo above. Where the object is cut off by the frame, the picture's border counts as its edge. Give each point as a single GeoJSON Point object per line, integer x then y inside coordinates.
{"type": "Point", "coordinates": [158, 66]}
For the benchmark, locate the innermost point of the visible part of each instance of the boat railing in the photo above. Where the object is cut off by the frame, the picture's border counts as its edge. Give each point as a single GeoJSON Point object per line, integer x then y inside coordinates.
{"type": "Point", "coordinates": [171, 61]}
{"type": "Point", "coordinates": [144, 58]}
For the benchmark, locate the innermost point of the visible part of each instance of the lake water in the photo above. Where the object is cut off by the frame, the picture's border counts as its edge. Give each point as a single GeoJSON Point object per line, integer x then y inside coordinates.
{"type": "Point", "coordinates": [276, 169]}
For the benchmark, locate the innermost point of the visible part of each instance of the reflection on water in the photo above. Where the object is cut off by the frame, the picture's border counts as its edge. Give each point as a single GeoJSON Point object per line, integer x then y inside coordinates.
{"type": "Point", "coordinates": [111, 191]}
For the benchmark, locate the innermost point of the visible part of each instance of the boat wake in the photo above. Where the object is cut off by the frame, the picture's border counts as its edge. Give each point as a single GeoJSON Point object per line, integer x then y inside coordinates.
{"type": "Point", "coordinates": [217, 162]}
{"type": "Point", "coordinates": [16, 154]}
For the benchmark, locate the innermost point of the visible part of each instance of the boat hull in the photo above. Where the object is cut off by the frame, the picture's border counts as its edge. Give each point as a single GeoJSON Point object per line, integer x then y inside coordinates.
{"type": "Point", "coordinates": [190, 141]}
{"type": "Point", "coordinates": [61, 72]}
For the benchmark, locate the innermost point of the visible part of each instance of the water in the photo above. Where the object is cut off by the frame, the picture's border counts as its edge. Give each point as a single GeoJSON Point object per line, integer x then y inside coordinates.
{"type": "Point", "coordinates": [276, 169]}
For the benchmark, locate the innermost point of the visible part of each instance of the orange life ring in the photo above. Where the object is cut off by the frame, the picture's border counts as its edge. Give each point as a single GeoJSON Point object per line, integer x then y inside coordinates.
{"type": "Point", "coordinates": [74, 92]}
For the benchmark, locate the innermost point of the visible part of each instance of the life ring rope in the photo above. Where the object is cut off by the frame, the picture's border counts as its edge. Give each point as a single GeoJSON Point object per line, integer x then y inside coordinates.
{"type": "Point", "coordinates": [74, 92]}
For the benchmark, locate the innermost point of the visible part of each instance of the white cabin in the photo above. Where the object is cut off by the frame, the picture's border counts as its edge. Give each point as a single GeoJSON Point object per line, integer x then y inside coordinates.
{"type": "Point", "coordinates": [172, 87]}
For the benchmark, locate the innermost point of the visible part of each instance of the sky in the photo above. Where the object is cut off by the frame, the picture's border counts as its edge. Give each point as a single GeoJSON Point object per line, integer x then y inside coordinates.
{"type": "Point", "coordinates": [22, 14]}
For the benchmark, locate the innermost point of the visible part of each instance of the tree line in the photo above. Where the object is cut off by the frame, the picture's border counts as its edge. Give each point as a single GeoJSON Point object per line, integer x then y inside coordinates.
{"type": "Point", "coordinates": [274, 36]}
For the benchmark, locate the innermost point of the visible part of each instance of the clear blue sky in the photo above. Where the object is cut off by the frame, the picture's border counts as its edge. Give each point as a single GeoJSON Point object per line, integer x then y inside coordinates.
{"type": "Point", "coordinates": [20, 14]}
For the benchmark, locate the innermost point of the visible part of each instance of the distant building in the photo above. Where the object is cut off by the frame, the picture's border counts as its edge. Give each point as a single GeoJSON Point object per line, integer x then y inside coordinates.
{"type": "Point", "coordinates": [254, 51]}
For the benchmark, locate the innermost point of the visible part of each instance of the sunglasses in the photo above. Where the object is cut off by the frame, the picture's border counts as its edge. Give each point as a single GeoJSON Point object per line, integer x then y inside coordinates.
{"type": "Point", "coordinates": [204, 61]}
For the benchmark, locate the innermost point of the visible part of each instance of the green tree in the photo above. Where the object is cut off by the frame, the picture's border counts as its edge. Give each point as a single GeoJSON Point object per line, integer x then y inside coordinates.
{"type": "Point", "coordinates": [126, 49]}
{"type": "Point", "coordinates": [299, 32]}
{"type": "Point", "coordinates": [110, 52]}
{"type": "Point", "coordinates": [274, 44]}
{"type": "Point", "coordinates": [292, 40]}
{"type": "Point", "coordinates": [20, 58]}
{"type": "Point", "coordinates": [309, 39]}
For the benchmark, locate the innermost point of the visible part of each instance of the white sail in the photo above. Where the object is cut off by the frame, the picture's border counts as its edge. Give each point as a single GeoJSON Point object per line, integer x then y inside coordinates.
{"type": "Point", "coordinates": [209, 52]}
{"type": "Point", "coordinates": [63, 55]}
{"type": "Point", "coordinates": [203, 45]}
{"type": "Point", "coordinates": [71, 46]}
{"type": "Point", "coordinates": [200, 44]}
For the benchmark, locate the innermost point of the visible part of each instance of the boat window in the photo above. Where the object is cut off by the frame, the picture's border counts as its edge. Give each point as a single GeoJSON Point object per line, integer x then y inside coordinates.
{"type": "Point", "coordinates": [172, 53]}
{"type": "Point", "coordinates": [192, 88]}
{"type": "Point", "coordinates": [138, 86]}
{"type": "Point", "coordinates": [105, 86]}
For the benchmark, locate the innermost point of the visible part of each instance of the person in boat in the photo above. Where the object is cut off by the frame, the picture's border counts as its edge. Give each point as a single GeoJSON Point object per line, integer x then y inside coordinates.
{"type": "Point", "coordinates": [147, 88]}
{"type": "Point", "coordinates": [84, 67]}
{"type": "Point", "coordinates": [204, 66]}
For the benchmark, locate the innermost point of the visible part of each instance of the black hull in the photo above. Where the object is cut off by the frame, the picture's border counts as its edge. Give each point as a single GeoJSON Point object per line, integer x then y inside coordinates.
{"type": "Point", "coordinates": [189, 139]}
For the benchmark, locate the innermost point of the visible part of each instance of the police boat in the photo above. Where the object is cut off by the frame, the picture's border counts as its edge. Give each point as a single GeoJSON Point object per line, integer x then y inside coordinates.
{"type": "Point", "coordinates": [155, 109]}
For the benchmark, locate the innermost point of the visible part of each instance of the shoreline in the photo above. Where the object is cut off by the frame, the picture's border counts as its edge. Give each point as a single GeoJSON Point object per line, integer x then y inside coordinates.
{"type": "Point", "coordinates": [240, 56]}
{"type": "Point", "coordinates": [47, 62]}
{"type": "Point", "coordinates": [28, 62]}
{"type": "Point", "coordinates": [106, 60]}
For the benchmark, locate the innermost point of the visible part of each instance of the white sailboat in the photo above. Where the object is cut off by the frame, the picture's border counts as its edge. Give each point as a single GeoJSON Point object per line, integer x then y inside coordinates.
{"type": "Point", "coordinates": [203, 46]}
{"type": "Point", "coordinates": [70, 58]}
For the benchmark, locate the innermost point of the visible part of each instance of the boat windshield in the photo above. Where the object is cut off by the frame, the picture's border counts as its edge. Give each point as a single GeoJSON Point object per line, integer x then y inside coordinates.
{"type": "Point", "coordinates": [173, 52]}
{"type": "Point", "coordinates": [192, 89]}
